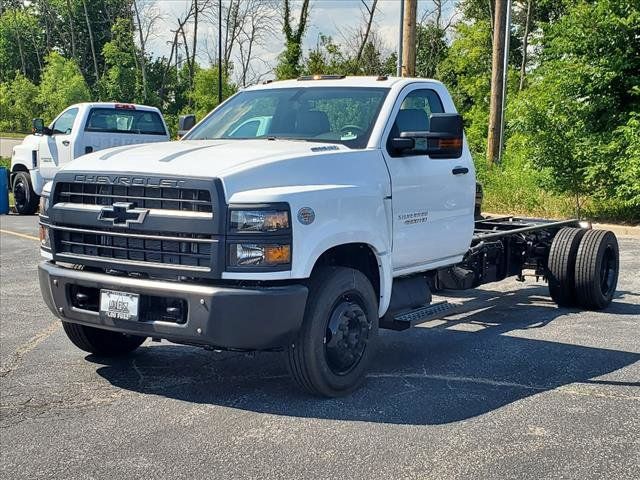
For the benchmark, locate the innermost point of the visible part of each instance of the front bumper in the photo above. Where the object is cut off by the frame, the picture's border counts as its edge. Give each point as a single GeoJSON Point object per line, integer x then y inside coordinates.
{"type": "Point", "coordinates": [217, 316]}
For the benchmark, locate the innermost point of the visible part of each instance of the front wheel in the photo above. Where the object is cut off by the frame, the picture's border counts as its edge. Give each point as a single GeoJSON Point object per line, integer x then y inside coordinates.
{"type": "Point", "coordinates": [332, 352]}
{"type": "Point", "coordinates": [26, 200]}
{"type": "Point", "coordinates": [101, 342]}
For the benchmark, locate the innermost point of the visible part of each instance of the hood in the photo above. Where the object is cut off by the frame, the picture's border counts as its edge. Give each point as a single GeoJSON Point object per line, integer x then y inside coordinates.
{"type": "Point", "coordinates": [197, 158]}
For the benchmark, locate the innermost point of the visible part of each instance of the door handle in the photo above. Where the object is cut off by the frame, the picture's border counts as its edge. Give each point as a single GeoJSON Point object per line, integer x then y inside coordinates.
{"type": "Point", "coordinates": [66, 143]}
{"type": "Point", "coordinates": [460, 170]}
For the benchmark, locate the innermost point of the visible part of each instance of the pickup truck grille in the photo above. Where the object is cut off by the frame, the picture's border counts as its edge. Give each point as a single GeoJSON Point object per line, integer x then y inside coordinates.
{"type": "Point", "coordinates": [160, 226]}
{"type": "Point", "coordinates": [174, 249]}
{"type": "Point", "coordinates": [185, 199]}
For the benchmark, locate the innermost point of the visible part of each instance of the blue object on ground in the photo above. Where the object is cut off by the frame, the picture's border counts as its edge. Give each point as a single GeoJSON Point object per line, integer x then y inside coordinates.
{"type": "Point", "coordinates": [4, 191]}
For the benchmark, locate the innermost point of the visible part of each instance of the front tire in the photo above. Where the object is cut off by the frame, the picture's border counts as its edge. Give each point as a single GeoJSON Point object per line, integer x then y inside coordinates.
{"type": "Point", "coordinates": [332, 352]}
{"type": "Point", "coordinates": [101, 342]}
{"type": "Point", "coordinates": [26, 200]}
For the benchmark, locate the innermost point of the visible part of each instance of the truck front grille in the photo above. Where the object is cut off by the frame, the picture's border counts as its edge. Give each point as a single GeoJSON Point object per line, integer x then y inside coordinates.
{"type": "Point", "coordinates": [185, 199]}
{"type": "Point", "coordinates": [162, 249]}
{"type": "Point", "coordinates": [163, 226]}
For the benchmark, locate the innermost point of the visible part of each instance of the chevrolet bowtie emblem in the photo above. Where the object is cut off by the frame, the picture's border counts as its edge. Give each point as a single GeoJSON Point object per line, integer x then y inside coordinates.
{"type": "Point", "coordinates": [122, 214]}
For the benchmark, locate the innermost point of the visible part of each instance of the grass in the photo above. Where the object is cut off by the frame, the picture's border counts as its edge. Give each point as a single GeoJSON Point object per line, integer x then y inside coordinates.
{"type": "Point", "coordinates": [13, 135]}
{"type": "Point", "coordinates": [514, 189]}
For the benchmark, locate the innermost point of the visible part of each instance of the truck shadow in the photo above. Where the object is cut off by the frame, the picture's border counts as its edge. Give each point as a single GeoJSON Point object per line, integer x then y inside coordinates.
{"type": "Point", "coordinates": [445, 372]}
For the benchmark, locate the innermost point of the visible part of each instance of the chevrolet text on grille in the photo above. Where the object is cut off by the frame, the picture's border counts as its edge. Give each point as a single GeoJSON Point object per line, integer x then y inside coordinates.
{"type": "Point", "coordinates": [129, 181]}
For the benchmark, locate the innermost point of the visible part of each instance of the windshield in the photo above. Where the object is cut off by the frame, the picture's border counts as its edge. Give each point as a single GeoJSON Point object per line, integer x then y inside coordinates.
{"type": "Point", "coordinates": [320, 114]}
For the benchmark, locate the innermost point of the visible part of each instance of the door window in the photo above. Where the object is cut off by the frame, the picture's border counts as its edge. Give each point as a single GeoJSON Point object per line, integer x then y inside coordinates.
{"type": "Point", "coordinates": [413, 115]}
{"type": "Point", "coordinates": [64, 123]}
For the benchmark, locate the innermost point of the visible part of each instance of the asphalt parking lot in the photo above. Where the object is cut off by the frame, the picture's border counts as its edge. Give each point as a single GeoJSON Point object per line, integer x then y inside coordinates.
{"type": "Point", "coordinates": [514, 388]}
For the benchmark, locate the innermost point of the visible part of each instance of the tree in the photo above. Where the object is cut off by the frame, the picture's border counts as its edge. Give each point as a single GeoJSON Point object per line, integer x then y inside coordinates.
{"type": "Point", "coordinates": [467, 71]}
{"type": "Point", "coordinates": [577, 120]}
{"type": "Point", "coordinates": [431, 49]}
{"type": "Point", "coordinates": [371, 11]}
{"type": "Point", "coordinates": [17, 104]}
{"type": "Point", "coordinates": [203, 95]}
{"type": "Point", "coordinates": [62, 85]}
{"type": "Point", "coordinates": [21, 44]}
{"type": "Point", "coordinates": [290, 58]}
{"type": "Point", "coordinates": [145, 16]}
{"type": "Point", "coordinates": [121, 81]}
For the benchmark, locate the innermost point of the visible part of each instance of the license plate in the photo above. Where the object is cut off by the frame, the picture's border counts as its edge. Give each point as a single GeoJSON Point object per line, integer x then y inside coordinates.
{"type": "Point", "coordinates": [119, 305]}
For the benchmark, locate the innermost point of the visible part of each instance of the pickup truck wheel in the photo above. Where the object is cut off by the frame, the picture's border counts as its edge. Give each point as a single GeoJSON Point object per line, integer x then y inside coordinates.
{"type": "Point", "coordinates": [101, 342]}
{"type": "Point", "coordinates": [336, 342]}
{"type": "Point", "coordinates": [597, 268]}
{"type": "Point", "coordinates": [25, 198]}
{"type": "Point", "coordinates": [561, 266]}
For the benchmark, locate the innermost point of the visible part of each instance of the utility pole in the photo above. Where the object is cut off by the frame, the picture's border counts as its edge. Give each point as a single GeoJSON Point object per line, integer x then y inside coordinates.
{"type": "Point", "coordinates": [505, 74]}
{"type": "Point", "coordinates": [400, 39]}
{"type": "Point", "coordinates": [498, 70]}
{"type": "Point", "coordinates": [409, 38]}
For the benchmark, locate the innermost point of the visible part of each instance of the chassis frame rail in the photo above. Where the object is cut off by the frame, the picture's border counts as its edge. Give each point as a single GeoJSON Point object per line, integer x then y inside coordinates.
{"type": "Point", "coordinates": [491, 228]}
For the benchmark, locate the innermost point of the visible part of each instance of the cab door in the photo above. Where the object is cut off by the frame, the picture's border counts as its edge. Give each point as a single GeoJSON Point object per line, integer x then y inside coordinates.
{"type": "Point", "coordinates": [432, 199]}
{"type": "Point", "coordinates": [56, 150]}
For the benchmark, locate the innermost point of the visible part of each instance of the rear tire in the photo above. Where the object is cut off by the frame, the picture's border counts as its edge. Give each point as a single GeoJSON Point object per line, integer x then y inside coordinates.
{"type": "Point", "coordinates": [597, 268]}
{"type": "Point", "coordinates": [561, 266]}
{"type": "Point", "coordinates": [26, 200]}
{"type": "Point", "coordinates": [101, 342]}
{"type": "Point", "coordinates": [334, 347]}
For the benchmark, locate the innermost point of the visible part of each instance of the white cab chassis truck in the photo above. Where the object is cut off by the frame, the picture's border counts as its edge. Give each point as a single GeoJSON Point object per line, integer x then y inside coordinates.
{"type": "Point", "coordinates": [79, 129]}
{"type": "Point", "coordinates": [339, 217]}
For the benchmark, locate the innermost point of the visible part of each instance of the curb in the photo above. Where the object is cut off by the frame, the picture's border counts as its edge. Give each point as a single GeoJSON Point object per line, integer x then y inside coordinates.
{"type": "Point", "coordinates": [620, 230]}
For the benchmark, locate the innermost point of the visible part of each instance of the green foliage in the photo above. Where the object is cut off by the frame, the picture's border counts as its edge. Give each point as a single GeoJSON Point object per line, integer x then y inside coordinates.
{"type": "Point", "coordinates": [121, 81]}
{"type": "Point", "coordinates": [467, 73]}
{"type": "Point", "coordinates": [204, 96]}
{"type": "Point", "coordinates": [577, 121]}
{"type": "Point", "coordinates": [62, 85]}
{"type": "Point", "coordinates": [431, 50]}
{"type": "Point", "coordinates": [289, 61]}
{"type": "Point", "coordinates": [5, 163]}
{"type": "Point", "coordinates": [328, 58]}
{"type": "Point", "coordinates": [20, 36]}
{"type": "Point", "coordinates": [17, 104]}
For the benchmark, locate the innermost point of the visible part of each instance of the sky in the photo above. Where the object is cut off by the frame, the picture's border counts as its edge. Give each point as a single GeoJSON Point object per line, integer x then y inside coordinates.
{"type": "Point", "coordinates": [327, 17]}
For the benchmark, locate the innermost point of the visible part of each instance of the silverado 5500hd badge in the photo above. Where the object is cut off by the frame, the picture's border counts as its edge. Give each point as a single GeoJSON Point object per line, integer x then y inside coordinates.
{"type": "Point", "coordinates": [413, 217]}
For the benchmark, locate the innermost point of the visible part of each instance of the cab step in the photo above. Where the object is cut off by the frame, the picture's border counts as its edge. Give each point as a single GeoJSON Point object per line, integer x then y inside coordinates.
{"type": "Point", "coordinates": [411, 318]}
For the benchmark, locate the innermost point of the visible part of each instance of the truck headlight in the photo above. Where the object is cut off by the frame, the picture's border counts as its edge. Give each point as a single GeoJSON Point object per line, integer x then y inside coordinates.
{"type": "Point", "coordinates": [45, 240]}
{"type": "Point", "coordinates": [44, 205]}
{"type": "Point", "coordinates": [259, 255]}
{"type": "Point", "coordinates": [259, 220]}
{"type": "Point", "coordinates": [259, 237]}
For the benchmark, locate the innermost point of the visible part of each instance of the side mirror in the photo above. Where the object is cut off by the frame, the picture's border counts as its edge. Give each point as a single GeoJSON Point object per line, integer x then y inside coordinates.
{"type": "Point", "coordinates": [185, 123]}
{"type": "Point", "coordinates": [37, 126]}
{"type": "Point", "coordinates": [402, 144]}
{"type": "Point", "coordinates": [444, 138]}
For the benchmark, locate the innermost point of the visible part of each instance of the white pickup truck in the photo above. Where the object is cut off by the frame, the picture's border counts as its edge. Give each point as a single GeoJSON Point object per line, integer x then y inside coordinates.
{"type": "Point", "coordinates": [305, 234]}
{"type": "Point", "coordinates": [80, 129]}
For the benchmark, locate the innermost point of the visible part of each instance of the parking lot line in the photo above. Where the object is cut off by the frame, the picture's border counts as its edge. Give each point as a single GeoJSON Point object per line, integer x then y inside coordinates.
{"type": "Point", "coordinates": [29, 237]}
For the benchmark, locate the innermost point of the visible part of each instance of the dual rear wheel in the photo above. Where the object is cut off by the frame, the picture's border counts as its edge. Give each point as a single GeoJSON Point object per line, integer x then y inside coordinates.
{"type": "Point", "coordinates": [583, 268]}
